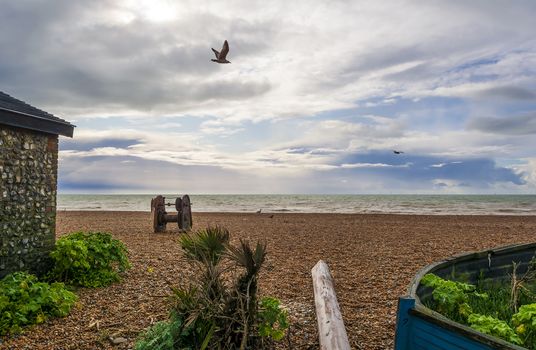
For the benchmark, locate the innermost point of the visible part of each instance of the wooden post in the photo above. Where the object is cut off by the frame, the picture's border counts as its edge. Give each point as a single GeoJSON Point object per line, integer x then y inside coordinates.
{"type": "Point", "coordinates": [331, 331]}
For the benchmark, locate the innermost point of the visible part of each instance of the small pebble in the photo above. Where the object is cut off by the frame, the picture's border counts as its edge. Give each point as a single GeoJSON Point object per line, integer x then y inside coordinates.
{"type": "Point", "coordinates": [118, 340]}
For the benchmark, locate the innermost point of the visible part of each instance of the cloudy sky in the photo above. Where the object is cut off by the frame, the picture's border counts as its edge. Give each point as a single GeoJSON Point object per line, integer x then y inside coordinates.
{"type": "Point", "coordinates": [317, 97]}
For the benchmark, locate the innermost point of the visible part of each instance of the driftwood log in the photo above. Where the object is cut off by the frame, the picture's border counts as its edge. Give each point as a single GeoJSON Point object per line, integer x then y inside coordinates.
{"type": "Point", "coordinates": [331, 331]}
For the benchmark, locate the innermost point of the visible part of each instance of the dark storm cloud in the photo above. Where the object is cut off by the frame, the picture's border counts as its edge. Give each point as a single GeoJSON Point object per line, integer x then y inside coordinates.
{"type": "Point", "coordinates": [509, 92]}
{"type": "Point", "coordinates": [478, 172]}
{"type": "Point", "coordinates": [64, 54]}
{"type": "Point", "coordinates": [514, 125]}
{"type": "Point", "coordinates": [86, 174]}
{"type": "Point", "coordinates": [97, 185]}
{"type": "Point", "coordinates": [87, 145]}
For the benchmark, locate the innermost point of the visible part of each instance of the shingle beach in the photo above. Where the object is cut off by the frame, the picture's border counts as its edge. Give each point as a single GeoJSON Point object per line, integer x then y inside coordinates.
{"type": "Point", "coordinates": [372, 259]}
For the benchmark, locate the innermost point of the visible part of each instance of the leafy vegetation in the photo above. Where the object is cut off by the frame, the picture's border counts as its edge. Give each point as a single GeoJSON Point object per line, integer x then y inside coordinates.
{"type": "Point", "coordinates": [162, 335]}
{"type": "Point", "coordinates": [451, 297]}
{"type": "Point", "coordinates": [495, 327]}
{"type": "Point", "coordinates": [88, 259]}
{"type": "Point", "coordinates": [220, 308]}
{"type": "Point", "coordinates": [83, 259]}
{"type": "Point", "coordinates": [491, 312]}
{"type": "Point", "coordinates": [26, 301]}
{"type": "Point", "coordinates": [525, 322]}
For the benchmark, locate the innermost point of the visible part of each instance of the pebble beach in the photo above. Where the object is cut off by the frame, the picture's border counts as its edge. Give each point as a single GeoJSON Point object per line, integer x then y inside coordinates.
{"type": "Point", "coordinates": [372, 258]}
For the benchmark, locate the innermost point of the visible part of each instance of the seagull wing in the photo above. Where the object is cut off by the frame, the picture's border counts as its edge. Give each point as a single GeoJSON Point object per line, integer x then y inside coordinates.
{"type": "Point", "coordinates": [224, 50]}
{"type": "Point", "coordinates": [216, 53]}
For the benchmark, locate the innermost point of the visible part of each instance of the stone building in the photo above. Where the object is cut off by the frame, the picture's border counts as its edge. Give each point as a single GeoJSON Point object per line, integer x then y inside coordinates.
{"type": "Point", "coordinates": [28, 183]}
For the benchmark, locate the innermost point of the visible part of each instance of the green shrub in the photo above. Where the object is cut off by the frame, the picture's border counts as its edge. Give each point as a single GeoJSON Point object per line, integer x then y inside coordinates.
{"type": "Point", "coordinates": [26, 301]}
{"type": "Point", "coordinates": [495, 327]}
{"type": "Point", "coordinates": [88, 259]}
{"type": "Point", "coordinates": [273, 320]}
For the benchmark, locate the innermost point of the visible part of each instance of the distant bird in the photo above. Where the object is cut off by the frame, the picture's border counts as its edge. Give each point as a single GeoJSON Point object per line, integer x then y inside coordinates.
{"type": "Point", "coordinates": [259, 211]}
{"type": "Point", "coordinates": [221, 56]}
{"type": "Point", "coordinates": [397, 152]}
{"type": "Point", "coordinates": [271, 216]}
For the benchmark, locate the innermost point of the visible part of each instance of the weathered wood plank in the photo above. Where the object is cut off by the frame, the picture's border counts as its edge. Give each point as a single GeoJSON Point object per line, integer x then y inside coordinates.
{"type": "Point", "coordinates": [331, 331]}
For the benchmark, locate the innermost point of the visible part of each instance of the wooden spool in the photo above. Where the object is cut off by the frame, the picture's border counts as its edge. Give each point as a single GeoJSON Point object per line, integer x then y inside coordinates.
{"type": "Point", "coordinates": [158, 208]}
{"type": "Point", "coordinates": [185, 214]}
{"type": "Point", "coordinates": [160, 217]}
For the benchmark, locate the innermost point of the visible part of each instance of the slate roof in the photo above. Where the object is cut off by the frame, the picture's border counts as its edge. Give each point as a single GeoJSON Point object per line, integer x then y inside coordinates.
{"type": "Point", "coordinates": [17, 113]}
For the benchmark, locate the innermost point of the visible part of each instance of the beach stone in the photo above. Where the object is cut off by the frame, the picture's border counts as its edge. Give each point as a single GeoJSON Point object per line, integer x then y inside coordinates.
{"type": "Point", "coordinates": [118, 340]}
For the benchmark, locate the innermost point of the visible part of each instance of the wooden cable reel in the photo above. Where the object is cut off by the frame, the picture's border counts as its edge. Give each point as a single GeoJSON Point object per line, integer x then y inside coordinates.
{"type": "Point", "coordinates": [160, 217]}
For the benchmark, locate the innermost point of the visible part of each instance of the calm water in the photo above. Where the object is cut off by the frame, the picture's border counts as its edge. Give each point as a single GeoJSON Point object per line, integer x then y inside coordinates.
{"type": "Point", "coordinates": [400, 204]}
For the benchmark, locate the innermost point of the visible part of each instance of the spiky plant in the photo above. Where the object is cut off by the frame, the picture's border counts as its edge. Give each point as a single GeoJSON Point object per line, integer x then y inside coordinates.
{"type": "Point", "coordinates": [244, 299]}
{"type": "Point", "coordinates": [251, 260]}
{"type": "Point", "coordinates": [220, 313]}
{"type": "Point", "coordinates": [206, 246]}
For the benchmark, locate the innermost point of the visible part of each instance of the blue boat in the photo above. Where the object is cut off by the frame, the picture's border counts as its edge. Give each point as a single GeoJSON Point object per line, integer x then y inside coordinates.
{"type": "Point", "coordinates": [420, 328]}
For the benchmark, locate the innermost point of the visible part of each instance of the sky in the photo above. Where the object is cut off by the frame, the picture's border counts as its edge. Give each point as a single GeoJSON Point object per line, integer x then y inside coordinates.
{"type": "Point", "coordinates": [317, 96]}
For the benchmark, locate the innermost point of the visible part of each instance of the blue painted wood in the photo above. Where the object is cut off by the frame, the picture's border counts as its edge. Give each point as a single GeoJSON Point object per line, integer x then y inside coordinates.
{"type": "Point", "coordinates": [402, 331]}
{"type": "Point", "coordinates": [416, 333]}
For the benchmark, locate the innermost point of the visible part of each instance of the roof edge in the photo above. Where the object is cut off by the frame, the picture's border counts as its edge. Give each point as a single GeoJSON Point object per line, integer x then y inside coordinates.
{"type": "Point", "coordinates": [32, 122]}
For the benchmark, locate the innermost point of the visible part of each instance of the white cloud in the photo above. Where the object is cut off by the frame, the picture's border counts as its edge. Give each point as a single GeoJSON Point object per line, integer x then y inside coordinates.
{"type": "Point", "coordinates": [528, 168]}
{"type": "Point", "coordinates": [326, 80]}
{"type": "Point", "coordinates": [372, 165]}
{"type": "Point", "coordinates": [155, 57]}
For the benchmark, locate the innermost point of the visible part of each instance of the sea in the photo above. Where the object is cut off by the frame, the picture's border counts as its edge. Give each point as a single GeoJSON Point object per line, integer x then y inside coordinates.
{"type": "Point", "coordinates": [273, 203]}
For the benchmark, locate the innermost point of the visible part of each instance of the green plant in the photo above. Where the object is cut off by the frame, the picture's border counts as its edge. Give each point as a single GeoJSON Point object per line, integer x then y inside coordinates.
{"type": "Point", "coordinates": [273, 320]}
{"type": "Point", "coordinates": [89, 259]}
{"type": "Point", "coordinates": [206, 248]}
{"type": "Point", "coordinates": [198, 311]}
{"type": "Point", "coordinates": [497, 304]}
{"type": "Point", "coordinates": [206, 245]}
{"type": "Point", "coordinates": [451, 297]}
{"type": "Point", "coordinates": [491, 312]}
{"type": "Point", "coordinates": [241, 306]}
{"type": "Point", "coordinates": [162, 335]}
{"type": "Point", "coordinates": [26, 301]}
{"type": "Point", "coordinates": [219, 309]}
{"type": "Point", "coordinates": [158, 337]}
{"type": "Point", "coordinates": [525, 322]}
{"type": "Point", "coordinates": [494, 327]}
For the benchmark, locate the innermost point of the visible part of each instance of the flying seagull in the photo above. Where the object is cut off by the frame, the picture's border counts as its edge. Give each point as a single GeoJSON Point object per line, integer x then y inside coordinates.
{"type": "Point", "coordinates": [221, 56]}
{"type": "Point", "coordinates": [397, 152]}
